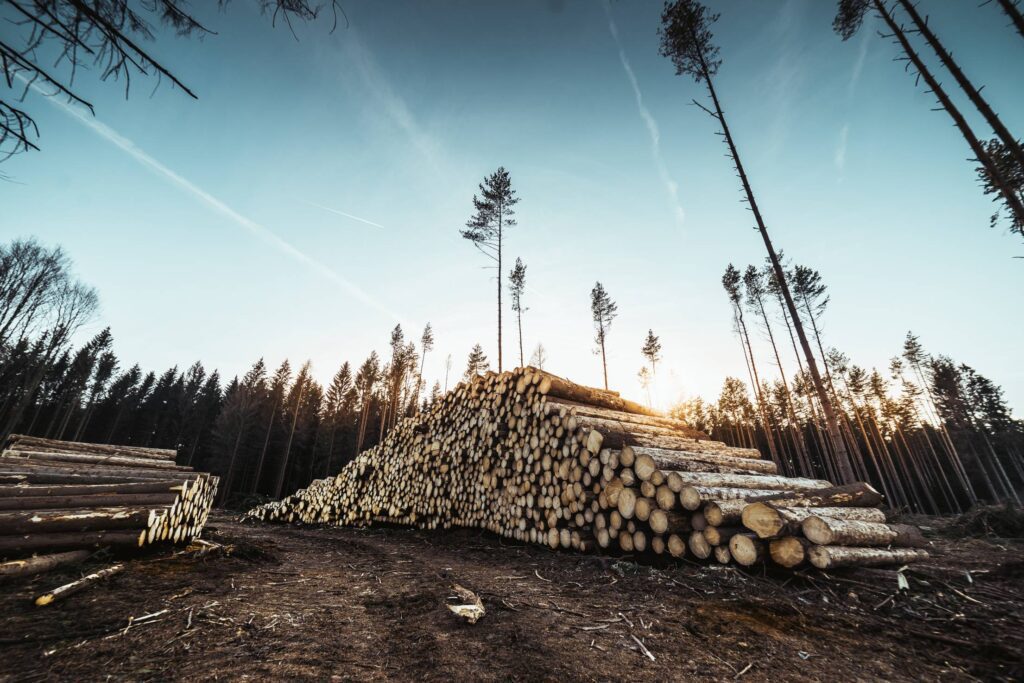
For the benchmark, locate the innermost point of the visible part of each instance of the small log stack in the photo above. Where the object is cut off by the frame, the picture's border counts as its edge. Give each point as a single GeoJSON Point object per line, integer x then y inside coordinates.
{"type": "Point", "coordinates": [65, 495]}
{"type": "Point", "coordinates": [532, 456]}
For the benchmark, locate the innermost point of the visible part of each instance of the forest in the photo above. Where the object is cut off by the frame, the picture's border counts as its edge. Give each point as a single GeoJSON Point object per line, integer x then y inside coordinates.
{"type": "Point", "coordinates": [932, 433]}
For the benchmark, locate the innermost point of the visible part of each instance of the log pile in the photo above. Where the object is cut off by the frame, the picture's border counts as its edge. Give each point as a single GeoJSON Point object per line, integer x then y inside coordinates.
{"type": "Point", "coordinates": [65, 495]}
{"type": "Point", "coordinates": [534, 457]}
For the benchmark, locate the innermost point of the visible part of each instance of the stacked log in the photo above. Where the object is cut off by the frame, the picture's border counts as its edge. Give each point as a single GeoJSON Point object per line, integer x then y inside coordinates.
{"type": "Point", "coordinates": [534, 457]}
{"type": "Point", "coordinates": [65, 495]}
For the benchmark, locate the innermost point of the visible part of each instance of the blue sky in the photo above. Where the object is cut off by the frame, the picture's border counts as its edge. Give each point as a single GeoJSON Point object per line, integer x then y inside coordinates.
{"type": "Point", "coordinates": [217, 230]}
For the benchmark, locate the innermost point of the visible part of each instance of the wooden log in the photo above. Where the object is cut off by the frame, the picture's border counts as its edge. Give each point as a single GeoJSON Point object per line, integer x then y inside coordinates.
{"type": "Point", "coordinates": [50, 490]}
{"type": "Point", "coordinates": [829, 531]}
{"type": "Point", "coordinates": [10, 545]}
{"type": "Point", "coordinates": [553, 385]}
{"type": "Point", "coordinates": [859, 494]}
{"type": "Point", "coordinates": [22, 441]}
{"type": "Point", "coordinates": [717, 535]}
{"type": "Point", "coordinates": [723, 512]}
{"type": "Point", "coordinates": [831, 557]}
{"type": "Point", "coordinates": [94, 459]}
{"type": "Point", "coordinates": [665, 522]}
{"type": "Point", "coordinates": [699, 545]}
{"type": "Point", "coordinates": [693, 497]}
{"type": "Point", "coordinates": [676, 546]}
{"type": "Point", "coordinates": [788, 551]}
{"type": "Point", "coordinates": [565, 406]}
{"type": "Point", "coordinates": [40, 563]}
{"type": "Point", "coordinates": [746, 549]}
{"type": "Point", "coordinates": [87, 501]}
{"type": "Point", "coordinates": [722, 554]}
{"type": "Point", "coordinates": [769, 520]}
{"type": "Point", "coordinates": [94, 519]}
{"type": "Point", "coordinates": [67, 589]}
{"type": "Point", "coordinates": [108, 473]}
{"type": "Point", "coordinates": [652, 459]}
{"type": "Point", "coordinates": [752, 481]}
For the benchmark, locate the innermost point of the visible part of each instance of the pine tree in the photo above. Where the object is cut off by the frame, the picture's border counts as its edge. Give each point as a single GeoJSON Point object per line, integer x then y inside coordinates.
{"type": "Point", "coordinates": [1012, 9]}
{"type": "Point", "coordinates": [294, 402]}
{"type": "Point", "coordinates": [476, 364]}
{"type": "Point", "coordinates": [651, 350]}
{"type": "Point", "coordinates": [427, 344]}
{"type": "Point", "coordinates": [603, 310]}
{"type": "Point", "coordinates": [686, 39]}
{"type": "Point", "coordinates": [486, 228]}
{"type": "Point", "coordinates": [539, 357]}
{"type": "Point", "coordinates": [517, 285]}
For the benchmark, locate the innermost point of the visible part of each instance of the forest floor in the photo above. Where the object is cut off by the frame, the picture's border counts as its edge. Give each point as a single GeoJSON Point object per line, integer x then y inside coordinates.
{"type": "Point", "coordinates": [285, 602]}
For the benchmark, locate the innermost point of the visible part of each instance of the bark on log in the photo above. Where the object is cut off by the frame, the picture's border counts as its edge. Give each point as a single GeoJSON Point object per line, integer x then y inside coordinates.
{"type": "Point", "coordinates": [94, 501]}
{"type": "Point", "coordinates": [693, 497]}
{"type": "Point", "coordinates": [717, 535]}
{"type": "Point", "coordinates": [166, 486]}
{"type": "Point", "coordinates": [752, 481]}
{"type": "Point", "coordinates": [769, 520]}
{"type": "Point", "coordinates": [648, 460]}
{"type": "Point", "coordinates": [53, 521]}
{"type": "Point", "coordinates": [859, 494]}
{"type": "Point", "coordinates": [94, 459]}
{"type": "Point", "coordinates": [87, 539]}
{"type": "Point", "coordinates": [553, 385]}
{"type": "Point", "coordinates": [39, 443]}
{"type": "Point", "coordinates": [828, 531]}
{"type": "Point", "coordinates": [830, 556]}
{"type": "Point", "coordinates": [41, 563]}
{"type": "Point", "coordinates": [722, 512]}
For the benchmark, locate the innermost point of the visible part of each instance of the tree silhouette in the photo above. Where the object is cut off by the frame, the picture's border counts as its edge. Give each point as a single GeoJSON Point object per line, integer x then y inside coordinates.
{"type": "Point", "coordinates": [486, 228]}
{"type": "Point", "coordinates": [517, 285]}
{"type": "Point", "coordinates": [686, 39]}
{"type": "Point", "coordinates": [604, 311]}
{"type": "Point", "coordinates": [539, 356]}
{"type": "Point", "coordinates": [651, 350]}
{"type": "Point", "coordinates": [1012, 9]}
{"type": "Point", "coordinates": [427, 344]}
{"type": "Point", "coordinates": [107, 34]}
{"type": "Point", "coordinates": [476, 364]}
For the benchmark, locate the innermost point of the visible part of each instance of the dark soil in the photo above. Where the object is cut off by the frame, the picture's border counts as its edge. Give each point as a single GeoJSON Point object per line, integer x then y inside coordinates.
{"type": "Point", "coordinates": [283, 602]}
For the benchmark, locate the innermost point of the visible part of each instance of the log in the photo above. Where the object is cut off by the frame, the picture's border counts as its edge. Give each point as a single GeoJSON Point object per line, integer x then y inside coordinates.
{"type": "Point", "coordinates": [86, 501]}
{"type": "Point", "coordinates": [859, 494]}
{"type": "Point", "coordinates": [94, 459]}
{"type": "Point", "coordinates": [752, 481]}
{"type": "Point", "coordinates": [746, 549]}
{"type": "Point", "coordinates": [676, 546]}
{"type": "Point", "coordinates": [38, 443]}
{"type": "Point", "coordinates": [553, 385]}
{"type": "Point", "coordinates": [722, 554]}
{"type": "Point", "coordinates": [699, 545]}
{"type": "Point", "coordinates": [41, 563]}
{"type": "Point", "coordinates": [831, 557]}
{"type": "Point", "coordinates": [769, 520]}
{"type": "Point", "coordinates": [69, 540]}
{"type": "Point", "coordinates": [651, 459]}
{"type": "Point", "coordinates": [96, 519]}
{"type": "Point", "coordinates": [693, 497]}
{"type": "Point", "coordinates": [569, 407]}
{"type": "Point", "coordinates": [67, 589]}
{"type": "Point", "coordinates": [717, 535]}
{"type": "Point", "coordinates": [664, 522]}
{"type": "Point", "coordinates": [789, 551]}
{"type": "Point", "coordinates": [722, 512]}
{"type": "Point", "coordinates": [829, 531]}
{"type": "Point", "coordinates": [165, 486]}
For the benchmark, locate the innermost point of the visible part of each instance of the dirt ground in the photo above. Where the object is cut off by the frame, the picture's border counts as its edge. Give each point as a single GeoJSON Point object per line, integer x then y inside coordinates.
{"type": "Point", "coordinates": [281, 602]}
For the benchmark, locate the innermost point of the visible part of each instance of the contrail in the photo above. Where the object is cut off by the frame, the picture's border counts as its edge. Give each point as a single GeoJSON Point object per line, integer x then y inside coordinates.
{"type": "Point", "coordinates": [652, 126]}
{"type": "Point", "coordinates": [346, 215]}
{"type": "Point", "coordinates": [256, 229]}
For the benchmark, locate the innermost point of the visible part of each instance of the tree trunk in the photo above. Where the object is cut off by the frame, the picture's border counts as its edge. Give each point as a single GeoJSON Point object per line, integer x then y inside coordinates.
{"type": "Point", "coordinates": [1012, 11]}
{"type": "Point", "coordinates": [1011, 143]}
{"type": "Point", "coordinates": [1013, 201]}
{"type": "Point", "coordinates": [830, 557]}
{"type": "Point", "coordinates": [845, 469]}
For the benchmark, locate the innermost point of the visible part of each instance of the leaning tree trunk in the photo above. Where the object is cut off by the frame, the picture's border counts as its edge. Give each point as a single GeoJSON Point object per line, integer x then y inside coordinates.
{"type": "Point", "coordinates": [842, 457]}
{"type": "Point", "coordinates": [1011, 143]}
{"type": "Point", "coordinates": [1012, 11]}
{"type": "Point", "coordinates": [1013, 201]}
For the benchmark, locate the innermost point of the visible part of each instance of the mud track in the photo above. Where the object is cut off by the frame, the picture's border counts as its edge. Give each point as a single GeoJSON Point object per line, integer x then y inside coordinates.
{"type": "Point", "coordinates": [347, 604]}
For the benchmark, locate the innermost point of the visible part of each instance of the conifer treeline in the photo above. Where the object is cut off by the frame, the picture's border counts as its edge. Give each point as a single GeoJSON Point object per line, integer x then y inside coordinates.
{"type": "Point", "coordinates": [933, 434]}
{"type": "Point", "coordinates": [263, 433]}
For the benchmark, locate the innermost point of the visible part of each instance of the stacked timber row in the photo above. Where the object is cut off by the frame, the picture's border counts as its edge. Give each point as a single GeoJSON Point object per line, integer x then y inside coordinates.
{"type": "Point", "coordinates": [534, 457]}
{"type": "Point", "coordinates": [62, 495]}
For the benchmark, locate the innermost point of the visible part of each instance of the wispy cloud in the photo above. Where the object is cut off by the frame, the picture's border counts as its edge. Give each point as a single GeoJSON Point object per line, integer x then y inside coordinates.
{"type": "Point", "coordinates": [858, 64]}
{"type": "Point", "coordinates": [346, 215]}
{"type": "Point", "coordinates": [387, 101]}
{"type": "Point", "coordinates": [252, 227]}
{"type": "Point", "coordinates": [652, 126]}
{"type": "Point", "coordinates": [840, 157]}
